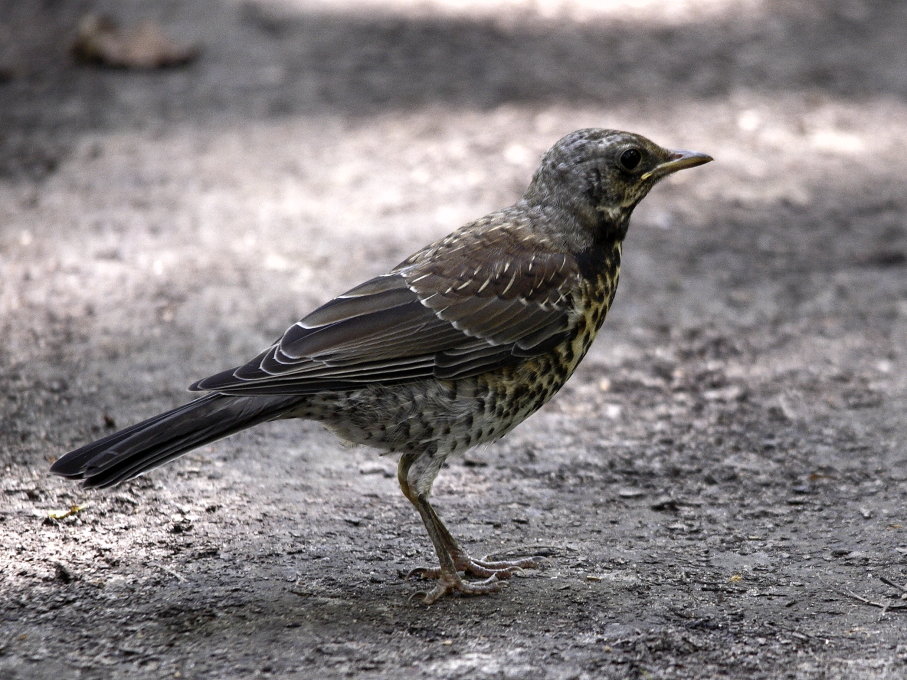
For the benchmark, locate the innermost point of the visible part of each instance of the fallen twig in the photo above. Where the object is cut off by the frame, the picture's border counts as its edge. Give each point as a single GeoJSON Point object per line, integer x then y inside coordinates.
{"type": "Point", "coordinates": [884, 606]}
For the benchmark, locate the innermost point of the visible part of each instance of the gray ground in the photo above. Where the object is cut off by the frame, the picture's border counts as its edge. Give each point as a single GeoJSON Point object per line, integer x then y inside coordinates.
{"type": "Point", "coordinates": [725, 467]}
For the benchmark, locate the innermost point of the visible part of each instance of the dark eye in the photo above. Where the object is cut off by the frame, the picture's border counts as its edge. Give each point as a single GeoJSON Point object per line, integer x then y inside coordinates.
{"type": "Point", "coordinates": [630, 158]}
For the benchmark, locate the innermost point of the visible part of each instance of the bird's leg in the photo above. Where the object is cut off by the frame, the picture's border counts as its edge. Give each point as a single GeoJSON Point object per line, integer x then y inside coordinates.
{"type": "Point", "coordinates": [463, 562]}
{"type": "Point", "coordinates": [451, 557]}
{"type": "Point", "coordinates": [449, 580]}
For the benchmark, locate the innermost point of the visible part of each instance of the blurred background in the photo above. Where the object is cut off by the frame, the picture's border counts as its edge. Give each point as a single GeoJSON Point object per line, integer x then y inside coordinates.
{"type": "Point", "coordinates": [181, 180]}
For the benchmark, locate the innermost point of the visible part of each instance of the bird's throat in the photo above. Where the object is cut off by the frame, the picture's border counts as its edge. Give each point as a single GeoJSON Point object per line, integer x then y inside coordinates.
{"type": "Point", "coordinates": [612, 223]}
{"type": "Point", "coordinates": [600, 258]}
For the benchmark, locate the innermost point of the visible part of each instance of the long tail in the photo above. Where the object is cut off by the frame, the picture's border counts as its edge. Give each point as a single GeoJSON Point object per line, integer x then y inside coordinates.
{"type": "Point", "coordinates": [158, 440]}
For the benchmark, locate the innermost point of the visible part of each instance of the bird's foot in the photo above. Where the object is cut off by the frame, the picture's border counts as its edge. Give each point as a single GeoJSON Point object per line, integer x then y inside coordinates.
{"type": "Point", "coordinates": [451, 583]}
{"type": "Point", "coordinates": [486, 569]}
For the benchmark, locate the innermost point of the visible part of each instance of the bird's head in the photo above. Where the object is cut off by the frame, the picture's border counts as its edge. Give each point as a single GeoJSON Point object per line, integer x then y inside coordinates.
{"type": "Point", "coordinates": [599, 176]}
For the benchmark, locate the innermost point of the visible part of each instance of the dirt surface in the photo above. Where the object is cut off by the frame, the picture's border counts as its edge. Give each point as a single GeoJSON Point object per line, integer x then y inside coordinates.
{"type": "Point", "coordinates": [724, 469]}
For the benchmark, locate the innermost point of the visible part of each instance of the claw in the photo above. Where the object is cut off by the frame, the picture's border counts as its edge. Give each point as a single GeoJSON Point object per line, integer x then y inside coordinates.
{"type": "Point", "coordinates": [482, 568]}
{"type": "Point", "coordinates": [424, 573]}
{"type": "Point", "coordinates": [418, 594]}
{"type": "Point", "coordinates": [502, 568]}
{"type": "Point", "coordinates": [493, 572]}
{"type": "Point", "coordinates": [452, 583]}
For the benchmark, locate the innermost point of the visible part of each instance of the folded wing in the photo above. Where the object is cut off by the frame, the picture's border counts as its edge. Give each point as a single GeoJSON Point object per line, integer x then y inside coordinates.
{"type": "Point", "coordinates": [435, 317]}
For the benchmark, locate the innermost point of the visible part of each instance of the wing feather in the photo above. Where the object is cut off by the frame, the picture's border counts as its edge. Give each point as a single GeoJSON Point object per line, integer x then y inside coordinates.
{"type": "Point", "coordinates": [454, 309]}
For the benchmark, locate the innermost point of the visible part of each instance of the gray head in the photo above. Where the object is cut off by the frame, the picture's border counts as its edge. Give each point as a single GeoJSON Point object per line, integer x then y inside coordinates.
{"type": "Point", "coordinates": [599, 176]}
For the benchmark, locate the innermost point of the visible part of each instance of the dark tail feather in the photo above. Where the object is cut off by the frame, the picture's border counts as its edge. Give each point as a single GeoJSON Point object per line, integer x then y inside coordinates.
{"type": "Point", "coordinates": [158, 440]}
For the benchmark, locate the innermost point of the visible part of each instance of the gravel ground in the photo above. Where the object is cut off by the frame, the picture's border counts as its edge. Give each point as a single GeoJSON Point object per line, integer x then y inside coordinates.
{"type": "Point", "coordinates": [716, 488]}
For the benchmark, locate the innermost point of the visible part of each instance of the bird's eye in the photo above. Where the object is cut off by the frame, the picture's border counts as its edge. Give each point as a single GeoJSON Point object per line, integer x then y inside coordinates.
{"type": "Point", "coordinates": [630, 158]}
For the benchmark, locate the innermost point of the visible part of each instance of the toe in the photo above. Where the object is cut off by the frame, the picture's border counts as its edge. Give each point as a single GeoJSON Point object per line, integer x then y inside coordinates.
{"type": "Point", "coordinates": [453, 584]}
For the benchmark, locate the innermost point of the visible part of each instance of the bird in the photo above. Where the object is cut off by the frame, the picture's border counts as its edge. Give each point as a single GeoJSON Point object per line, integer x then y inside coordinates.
{"type": "Point", "coordinates": [452, 348]}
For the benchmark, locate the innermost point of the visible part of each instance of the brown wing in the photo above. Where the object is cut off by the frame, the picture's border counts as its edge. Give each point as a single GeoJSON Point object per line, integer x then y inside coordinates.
{"type": "Point", "coordinates": [458, 308]}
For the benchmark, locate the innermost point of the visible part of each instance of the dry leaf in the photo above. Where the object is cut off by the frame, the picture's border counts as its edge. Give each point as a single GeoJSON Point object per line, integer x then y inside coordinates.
{"type": "Point", "coordinates": [101, 41]}
{"type": "Point", "coordinates": [63, 514]}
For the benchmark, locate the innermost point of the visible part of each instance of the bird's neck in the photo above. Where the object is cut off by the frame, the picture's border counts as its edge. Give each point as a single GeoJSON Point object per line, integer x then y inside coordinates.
{"type": "Point", "coordinates": [608, 228]}
{"type": "Point", "coordinates": [579, 227]}
{"type": "Point", "coordinates": [602, 256]}
{"type": "Point", "coordinates": [610, 224]}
